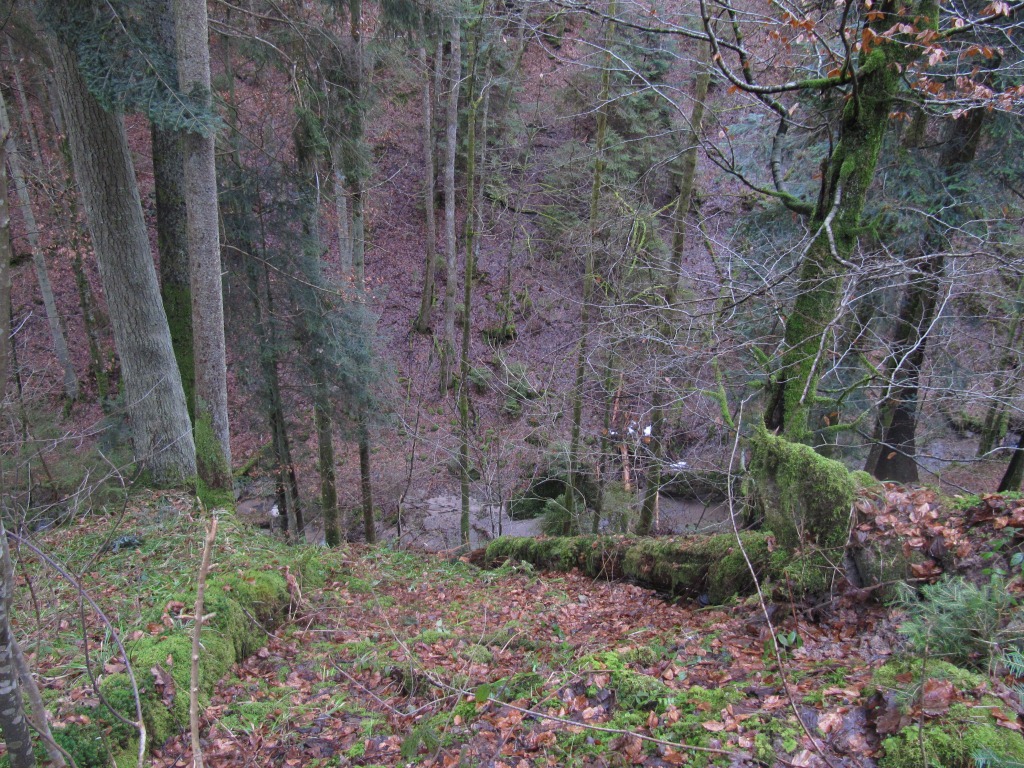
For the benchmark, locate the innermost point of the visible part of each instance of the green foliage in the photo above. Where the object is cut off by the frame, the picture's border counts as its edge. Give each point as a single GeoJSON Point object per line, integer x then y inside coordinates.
{"type": "Point", "coordinates": [961, 621]}
{"type": "Point", "coordinates": [123, 63]}
{"type": "Point", "coordinates": [559, 520]}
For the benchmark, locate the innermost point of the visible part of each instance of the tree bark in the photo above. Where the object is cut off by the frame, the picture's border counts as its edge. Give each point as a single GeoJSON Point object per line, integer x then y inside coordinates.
{"type": "Point", "coordinates": [6, 254]}
{"type": "Point", "coordinates": [422, 324]}
{"type": "Point", "coordinates": [450, 242]}
{"type": "Point", "coordinates": [60, 345]}
{"type": "Point", "coordinates": [157, 412]}
{"type": "Point", "coordinates": [200, 177]}
{"type": "Point", "coordinates": [172, 223]}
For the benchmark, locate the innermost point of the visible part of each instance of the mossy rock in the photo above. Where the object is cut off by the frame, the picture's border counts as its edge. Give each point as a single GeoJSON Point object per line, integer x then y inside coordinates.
{"type": "Point", "coordinates": [802, 496]}
{"type": "Point", "coordinates": [956, 738]}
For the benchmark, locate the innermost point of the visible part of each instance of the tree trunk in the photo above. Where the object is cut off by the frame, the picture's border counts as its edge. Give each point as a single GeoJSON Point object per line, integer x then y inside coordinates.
{"type": "Point", "coordinates": [365, 484]}
{"type": "Point", "coordinates": [675, 285]}
{"type": "Point", "coordinates": [465, 426]}
{"type": "Point", "coordinates": [687, 171]}
{"type": "Point", "coordinates": [213, 439]}
{"type": "Point", "coordinates": [60, 345]}
{"type": "Point", "coordinates": [450, 244]}
{"type": "Point", "coordinates": [13, 723]}
{"type": "Point", "coordinates": [342, 209]}
{"type": "Point", "coordinates": [1015, 469]}
{"type": "Point", "coordinates": [894, 457]}
{"type": "Point", "coordinates": [157, 412]}
{"type": "Point", "coordinates": [172, 223]}
{"type": "Point", "coordinates": [325, 464]}
{"type": "Point", "coordinates": [589, 268]}
{"type": "Point", "coordinates": [836, 225]}
{"type": "Point", "coordinates": [6, 255]}
{"type": "Point", "coordinates": [422, 324]}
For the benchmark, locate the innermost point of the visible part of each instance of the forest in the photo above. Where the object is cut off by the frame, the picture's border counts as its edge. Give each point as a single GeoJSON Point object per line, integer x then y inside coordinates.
{"type": "Point", "coordinates": [527, 382]}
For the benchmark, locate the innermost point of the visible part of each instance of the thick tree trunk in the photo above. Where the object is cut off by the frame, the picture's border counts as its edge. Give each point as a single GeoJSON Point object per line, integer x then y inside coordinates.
{"type": "Point", "coordinates": [157, 412]}
{"type": "Point", "coordinates": [60, 345]}
{"type": "Point", "coordinates": [172, 223]}
{"type": "Point", "coordinates": [13, 723]}
{"type": "Point", "coordinates": [200, 176]}
{"type": "Point", "coordinates": [422, 324]}
{"type": "Point", "coordinates": [172, 245]}
{"type": "Point", "coordinates": [450, 242]}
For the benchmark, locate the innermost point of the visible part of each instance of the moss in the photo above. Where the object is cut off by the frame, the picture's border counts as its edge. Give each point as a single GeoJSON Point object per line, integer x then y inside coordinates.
{"type": "Point", "coordinates": [904, 674]}
{"type": "Point", "coordinates": [177, 301]}
{"type": "Point", "coordinates": [242, 603]}
{"type": "Point", "coordinates": [952, 741]}
{"type": "Point", "coordinates": [165, 712]}
{"type": "Point", "coordinates": [802, 496]}
{"type": "Point", "coordinates": [214, 486]}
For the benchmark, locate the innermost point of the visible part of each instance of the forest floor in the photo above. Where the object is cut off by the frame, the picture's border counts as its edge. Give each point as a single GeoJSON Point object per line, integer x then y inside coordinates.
{"type": "Point", "coordinates": [402, 658]}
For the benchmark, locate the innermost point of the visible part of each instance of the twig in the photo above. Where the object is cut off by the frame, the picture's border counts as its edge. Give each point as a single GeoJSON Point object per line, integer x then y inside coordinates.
{"type": "Point", "coordinates": [38, 721]}
{"type": "Point", "coordinates": [776, 646]}
{"type": "Point", "coordinates": [197, 628]}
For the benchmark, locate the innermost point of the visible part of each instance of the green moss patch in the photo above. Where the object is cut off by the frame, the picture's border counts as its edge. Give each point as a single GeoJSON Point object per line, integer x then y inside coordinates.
{"type": "Point", "coordinates": [800, 495]}
{"type": "Point", "coordinates": [954, 738]}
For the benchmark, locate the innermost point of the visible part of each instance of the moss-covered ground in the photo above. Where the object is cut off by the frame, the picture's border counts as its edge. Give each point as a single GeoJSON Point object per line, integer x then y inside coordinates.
{"type": "Point", "coordinates": [394, 658]}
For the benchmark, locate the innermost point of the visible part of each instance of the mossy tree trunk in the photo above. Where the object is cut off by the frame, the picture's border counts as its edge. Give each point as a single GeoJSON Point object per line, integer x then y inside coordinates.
{"type": "Point", "coordinates": [172, 224]}
{"type": "Point", "coordinates": [836, 223]}
{"type": "Point", "coordinates": [465, 425]}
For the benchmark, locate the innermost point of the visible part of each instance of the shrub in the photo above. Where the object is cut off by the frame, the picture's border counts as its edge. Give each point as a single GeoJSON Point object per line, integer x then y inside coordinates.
{"type": "Point", "coordinates": [961, 621]}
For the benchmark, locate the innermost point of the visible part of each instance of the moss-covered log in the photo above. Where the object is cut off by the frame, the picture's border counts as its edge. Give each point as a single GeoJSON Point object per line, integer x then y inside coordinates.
{"type": "Point", "coordinates": [686, 565]}
{"type": "Point", "coordinates": [804, 498]}
{"type": "Point", "coordinates": [243, 603]}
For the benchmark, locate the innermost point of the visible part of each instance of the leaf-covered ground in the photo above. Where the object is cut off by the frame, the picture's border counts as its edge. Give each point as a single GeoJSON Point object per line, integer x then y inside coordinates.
{"type": "Point", "coordinates": [410, 659]}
